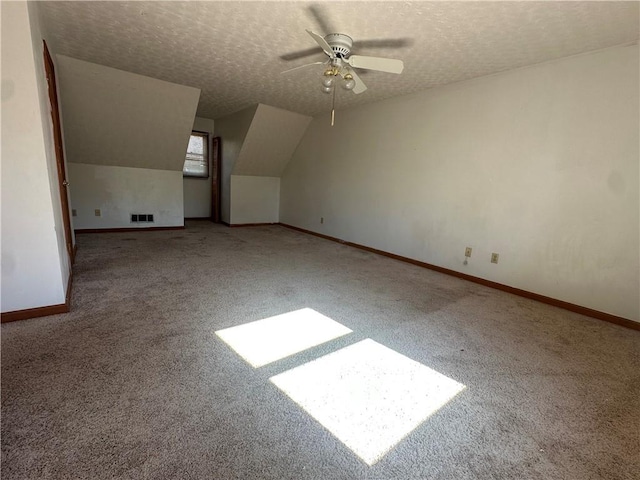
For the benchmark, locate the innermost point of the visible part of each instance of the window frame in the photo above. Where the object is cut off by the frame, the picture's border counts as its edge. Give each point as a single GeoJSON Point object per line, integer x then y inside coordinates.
{"type": "Point", "coordinates": [207, 154]}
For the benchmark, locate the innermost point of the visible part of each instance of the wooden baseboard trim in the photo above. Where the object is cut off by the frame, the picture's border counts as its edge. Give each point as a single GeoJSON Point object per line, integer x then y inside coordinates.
{"type": "Point", "coordinates": [125, 229]}
{"type": "Point", "coordinates": [251, 224]}
{"type": "Point", "coordinates": [16, 315]}
{"type": "Point", "coordinates": [67, 297]}
{"type": "Point", "coordinates": [40, 311]}
{"type": "Point", "coordinates": [607, 317]}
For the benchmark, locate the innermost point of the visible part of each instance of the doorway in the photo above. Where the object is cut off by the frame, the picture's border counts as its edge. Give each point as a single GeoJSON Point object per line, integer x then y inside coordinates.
{"type": "Point", "coordinates": [216, 179]}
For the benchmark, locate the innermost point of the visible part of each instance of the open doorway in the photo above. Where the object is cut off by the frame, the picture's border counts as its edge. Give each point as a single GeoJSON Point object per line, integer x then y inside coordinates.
{"type": "Point", "coordinates": [216, 178]}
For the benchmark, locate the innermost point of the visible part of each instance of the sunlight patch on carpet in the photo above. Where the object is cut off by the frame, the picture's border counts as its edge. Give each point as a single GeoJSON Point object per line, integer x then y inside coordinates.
{"type": "Point", "coordinates": [367, 395]}
{"type": "Point", "coordinates": [265, 341]}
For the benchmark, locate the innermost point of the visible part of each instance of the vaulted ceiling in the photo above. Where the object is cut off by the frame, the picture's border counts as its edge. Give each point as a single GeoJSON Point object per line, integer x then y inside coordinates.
{"type": "Point", "coordinates": [232, 50]}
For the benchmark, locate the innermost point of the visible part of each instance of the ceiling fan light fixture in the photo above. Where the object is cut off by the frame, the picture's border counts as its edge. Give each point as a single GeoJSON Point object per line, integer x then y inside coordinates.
{"type": "Point", "coordinates": [349, 82]}
{"type": "Point", "coordinates": [328, 81]}
{"type": "Point", "coordinates": [341, 66]}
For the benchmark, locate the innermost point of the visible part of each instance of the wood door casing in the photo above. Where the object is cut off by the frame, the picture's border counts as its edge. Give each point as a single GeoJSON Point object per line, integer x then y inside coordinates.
{"type": "Point", "coordinates": [216, 180]}
{"type": "Point", "coordinates": [57, 139]}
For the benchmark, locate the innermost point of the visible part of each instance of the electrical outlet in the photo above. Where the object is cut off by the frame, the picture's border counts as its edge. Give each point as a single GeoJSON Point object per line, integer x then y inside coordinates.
{"type": "Point", "coordinates": [494, 258]}
{"type": "Point", "coordinates": [321, 219]}
{"type": "Point", "coordinates": [74, 213]}
{"type": "Point", "coordinates": [467, 252]}
{"type": "Point", "coordinates": [97, 212]}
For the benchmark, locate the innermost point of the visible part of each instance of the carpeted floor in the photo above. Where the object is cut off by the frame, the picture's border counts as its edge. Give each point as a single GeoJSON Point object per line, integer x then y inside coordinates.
{"type": "Point", "coordinates": [135, 382]}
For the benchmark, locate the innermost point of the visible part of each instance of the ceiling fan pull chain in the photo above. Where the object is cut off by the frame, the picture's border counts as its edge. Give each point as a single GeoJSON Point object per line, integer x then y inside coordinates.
{"type": "Point", "coordinates": [333, 107]}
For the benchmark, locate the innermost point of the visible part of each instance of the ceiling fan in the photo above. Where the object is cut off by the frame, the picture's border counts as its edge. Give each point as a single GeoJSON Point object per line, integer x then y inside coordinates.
{"type": "Point", "coordinates": [341, 65]}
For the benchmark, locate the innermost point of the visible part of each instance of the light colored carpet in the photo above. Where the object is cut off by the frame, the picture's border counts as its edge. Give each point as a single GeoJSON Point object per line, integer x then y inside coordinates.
{"type": "Point", "coordinates": [135, 382]}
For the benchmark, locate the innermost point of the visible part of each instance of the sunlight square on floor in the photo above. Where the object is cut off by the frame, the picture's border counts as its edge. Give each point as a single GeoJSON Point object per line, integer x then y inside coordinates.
{"type": "Point", "coordinates": [270, 339]}
{"type": "Point", "coordinates": [367, 395]}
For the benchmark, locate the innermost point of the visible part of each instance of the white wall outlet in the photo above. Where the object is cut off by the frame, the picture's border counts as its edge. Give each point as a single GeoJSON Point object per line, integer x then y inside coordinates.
{"type": "Point", "coordinates": [74, 212]}
{"type": "Point", "coordinates": [97, 212]}
{"type": "Point", "coordinates": [321, 219]}
{"type": "Point", "coordinates": [467, 252]}
{"type": "Point", "coordinates": [494, 258]}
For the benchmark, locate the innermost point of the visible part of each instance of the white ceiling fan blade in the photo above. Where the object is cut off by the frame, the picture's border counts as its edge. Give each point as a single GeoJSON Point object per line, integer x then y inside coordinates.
{"type": "Point", "coordinates": [389, 65]}
{"type": "Point", "coordinates": [302, 66]}
{"type": "Point", "coordinates": [360, 86]}
{"type": "Point", "coordinates": [323, 44]}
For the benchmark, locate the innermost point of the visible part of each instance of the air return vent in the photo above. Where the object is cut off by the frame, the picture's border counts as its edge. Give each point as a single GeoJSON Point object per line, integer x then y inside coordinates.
{"type": "Point", "coordinates": [141, 217]}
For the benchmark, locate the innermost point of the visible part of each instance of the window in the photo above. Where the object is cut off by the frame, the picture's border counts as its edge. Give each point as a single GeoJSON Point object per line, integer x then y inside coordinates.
{"type": "Point", "coordinates": [197, 162]}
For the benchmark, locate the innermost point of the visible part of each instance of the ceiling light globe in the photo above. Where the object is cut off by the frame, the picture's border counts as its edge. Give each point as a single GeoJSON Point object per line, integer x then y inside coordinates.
{"type": "Point", "coordinates": [327, 89]}
{"type": "Point", "coordinates": [348, 84]}
{"type": "Point", "coordinates": [328, 81]}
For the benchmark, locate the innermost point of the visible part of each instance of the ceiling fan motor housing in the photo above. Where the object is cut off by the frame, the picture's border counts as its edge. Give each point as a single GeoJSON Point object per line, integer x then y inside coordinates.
{"type": "Point", "coordinates": [340, 44]}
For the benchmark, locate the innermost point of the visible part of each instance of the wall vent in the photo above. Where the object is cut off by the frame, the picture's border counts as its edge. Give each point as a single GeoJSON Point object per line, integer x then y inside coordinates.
{"type": "Point", "coordinates": [141, 217]}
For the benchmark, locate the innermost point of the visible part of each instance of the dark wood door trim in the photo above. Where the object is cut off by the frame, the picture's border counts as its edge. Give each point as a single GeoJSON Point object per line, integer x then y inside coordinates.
{"type": "Point", "coordinates": [57, 138]}
{"type": "Point", "coordinates": [216, 179]}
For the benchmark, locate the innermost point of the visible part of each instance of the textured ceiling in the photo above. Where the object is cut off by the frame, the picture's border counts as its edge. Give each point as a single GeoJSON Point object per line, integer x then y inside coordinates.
{"type": "Point", "coordinates": [231, 50]}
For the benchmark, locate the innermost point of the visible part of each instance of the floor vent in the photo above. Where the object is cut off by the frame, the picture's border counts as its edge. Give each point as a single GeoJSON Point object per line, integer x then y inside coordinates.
{"type": "Point", "coordinates": [141, 217]}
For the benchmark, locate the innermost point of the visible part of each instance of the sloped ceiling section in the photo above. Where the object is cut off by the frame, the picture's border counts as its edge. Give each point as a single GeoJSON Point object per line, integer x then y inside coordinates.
{"type": "Point", "coordinates": [270, 142]}
{"type": "Point", "coordinates": [113, 117]}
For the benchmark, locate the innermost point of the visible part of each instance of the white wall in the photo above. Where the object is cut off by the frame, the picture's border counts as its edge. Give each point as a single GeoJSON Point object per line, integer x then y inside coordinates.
{"type": "Point", "coordinates": [120, 191]}
{"type": "Point", "coordinates": [134, 130]}
{"type": "Point", "coordinates": [232, 130]}
{"type": "Point", "coordinates": [538, 164]}
{"type": "Point", "coordinates": [257, 143]}
{"type": "Point", "coordinates": [37, 36]}
{"type": "Point", "coordinates": [33, 266]}
{"type": "Point", "coordinates": [254, 199]}
{"type": "Point", "coordinates": [197, 191]}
